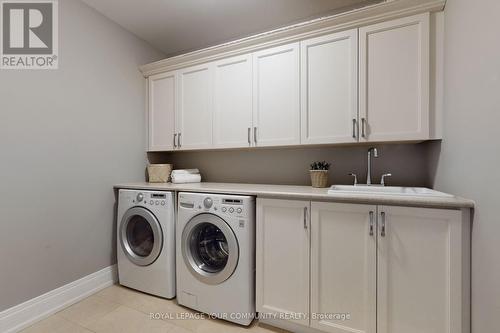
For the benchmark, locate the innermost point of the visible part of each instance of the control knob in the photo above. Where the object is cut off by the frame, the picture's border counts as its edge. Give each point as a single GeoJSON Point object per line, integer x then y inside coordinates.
{"type": "Point", "coordinates": [208, 202]}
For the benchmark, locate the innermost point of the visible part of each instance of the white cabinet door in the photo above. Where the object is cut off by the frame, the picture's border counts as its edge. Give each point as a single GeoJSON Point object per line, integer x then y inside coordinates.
{"type": "Point", "coordinates": [282, 258]}
{"type": "Point", "coordinates": [394, 80]}
{"type": "Point", "coordinates": [233, 102]}
{"type": "Point", "coordinates": [162, 106]}
{"type": "Point", "coordinates": [343, 267]}
{"type": "Point", "coordinates": [419, 271]}
{"type": "Point", "coordinates": [276, 96]}
{"type": "Point", "coordinates": [195, 107]}
{"type": "Point", "coordinates": [329, 88]}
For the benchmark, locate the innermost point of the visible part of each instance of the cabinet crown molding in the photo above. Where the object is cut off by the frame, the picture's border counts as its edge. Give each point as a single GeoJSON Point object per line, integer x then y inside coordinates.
{"type": "Point", "coordinates": [387, 10]}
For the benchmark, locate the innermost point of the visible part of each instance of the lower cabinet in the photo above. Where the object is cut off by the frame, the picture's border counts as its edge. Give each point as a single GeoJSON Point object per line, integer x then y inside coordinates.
{"type": "Point", "coordinates": [364, 268]}
{"type": "Point", "coordinates": [282, 258]}
{"type": "Point", "coordinates": [420, 262]}
{"type": "Point", "coordinates": [343, 267]}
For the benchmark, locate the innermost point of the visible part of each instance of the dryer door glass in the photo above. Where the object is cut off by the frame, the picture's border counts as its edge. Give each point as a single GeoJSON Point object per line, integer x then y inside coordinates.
{"type": "Point", "coordinates": [209, 248]}
{"type": "Point", "coordinates": [141, 236]}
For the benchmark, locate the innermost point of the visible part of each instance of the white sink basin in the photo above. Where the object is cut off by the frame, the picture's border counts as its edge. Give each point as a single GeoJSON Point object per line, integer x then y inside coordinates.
{"type": "Point", "coordinates": [386, 190]}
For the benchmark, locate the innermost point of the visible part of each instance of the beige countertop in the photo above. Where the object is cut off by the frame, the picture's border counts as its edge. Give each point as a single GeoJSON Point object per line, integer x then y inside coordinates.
{"type": "Point", "coordinates": [306, 193]}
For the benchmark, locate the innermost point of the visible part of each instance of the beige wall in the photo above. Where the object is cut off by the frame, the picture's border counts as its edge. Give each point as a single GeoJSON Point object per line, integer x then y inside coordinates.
{"type": "Point", "coordinates": [66, 136]}
{"type": "Point", "coordinates": [408, 164]}
{"type": "Point", "coordinates": [469, 159]}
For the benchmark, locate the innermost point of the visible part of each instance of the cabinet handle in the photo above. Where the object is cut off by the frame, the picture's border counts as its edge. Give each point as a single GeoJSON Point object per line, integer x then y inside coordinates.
{"type": "Point", "coordinates": [305, 218]}
{"type": "Point", "coordinates": [382, 228]}
{"type": "Point", "coordinates": [179, 140]}
{"type": "Point", "coordinates": [371, 223]}
{"type": "Point", "coordinates": [363, 125]}
{"type": "Point", "coordinates": [248, 136]}
{"type": "Point", "coordinates": [175, 137]}
{"type": "Point", "coordinates": [354, 121]}
{"type": "Point", "coordinates": [255, 134]}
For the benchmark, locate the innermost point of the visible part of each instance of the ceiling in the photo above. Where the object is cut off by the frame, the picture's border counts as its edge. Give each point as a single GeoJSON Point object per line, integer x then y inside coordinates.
{"type": "Point", "coordinates": [179, 26]}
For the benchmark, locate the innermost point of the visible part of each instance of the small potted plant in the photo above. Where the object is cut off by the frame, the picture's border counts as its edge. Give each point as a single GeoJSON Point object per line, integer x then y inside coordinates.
{"type": "Point", "coordinates": [319, 173]}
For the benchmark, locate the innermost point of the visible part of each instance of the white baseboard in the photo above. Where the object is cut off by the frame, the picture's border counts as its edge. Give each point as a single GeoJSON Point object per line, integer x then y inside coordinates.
{"type": "Point", "coordinates": [25, 314]}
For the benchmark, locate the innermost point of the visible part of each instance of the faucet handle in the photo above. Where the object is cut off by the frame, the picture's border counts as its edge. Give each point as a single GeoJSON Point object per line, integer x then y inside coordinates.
{"type": "Point", "coordinates": [382, 180]}
{"type": "Point", "coordinates": [355, 178]}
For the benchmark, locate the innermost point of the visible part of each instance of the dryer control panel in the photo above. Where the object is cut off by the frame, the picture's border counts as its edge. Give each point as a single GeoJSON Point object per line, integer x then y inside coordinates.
{"type": "Point", "coordinates": [145, 198]}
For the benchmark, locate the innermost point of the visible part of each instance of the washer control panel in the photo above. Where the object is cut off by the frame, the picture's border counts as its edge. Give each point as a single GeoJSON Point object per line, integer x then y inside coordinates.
{"type": "Point", "coordinates": [225, 206]}
{"type": "Point", "coordinates": [232, 206]}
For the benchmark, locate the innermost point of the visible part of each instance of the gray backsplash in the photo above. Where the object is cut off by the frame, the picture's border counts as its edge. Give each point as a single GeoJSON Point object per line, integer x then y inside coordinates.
{"type": "Point", "coordinates": [410, 164]}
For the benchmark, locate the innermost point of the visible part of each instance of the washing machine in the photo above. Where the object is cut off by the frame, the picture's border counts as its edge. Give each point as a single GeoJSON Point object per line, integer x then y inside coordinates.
{"type": "Point", "coordinates": [146, 241]}
{"type": "Point", "coordinates": [216, 255]}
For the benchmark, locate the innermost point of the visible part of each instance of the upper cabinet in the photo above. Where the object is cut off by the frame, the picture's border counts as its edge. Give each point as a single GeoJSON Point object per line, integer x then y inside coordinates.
{"type": "Point", "coordinates": [394, 80]}
{"type": "Point", "coordinates": [194, 121]}
{"type": "Point", "coordinates": [233, 102]}
{"type": "Point", "coordinates": [329, 88]}
{"type": "Point", "coordinates": [372, 83]}
{"type": "Point", "coordinates": [276, 96]}
{"type": "Point", "coordinates": [162, 99]}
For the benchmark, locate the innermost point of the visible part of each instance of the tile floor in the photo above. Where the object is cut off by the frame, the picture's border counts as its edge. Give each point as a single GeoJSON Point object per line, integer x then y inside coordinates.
{"type": "Point", "coordinates": [122, 310]}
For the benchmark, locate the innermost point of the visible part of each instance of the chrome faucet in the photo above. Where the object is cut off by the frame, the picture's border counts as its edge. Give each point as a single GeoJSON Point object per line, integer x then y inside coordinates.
{"type": "Point", "coordinates": [382, 180]}
{"type": "Point", "coordinates": [369, 171]}
{"type": "Point", "coordinates": [355, 178]}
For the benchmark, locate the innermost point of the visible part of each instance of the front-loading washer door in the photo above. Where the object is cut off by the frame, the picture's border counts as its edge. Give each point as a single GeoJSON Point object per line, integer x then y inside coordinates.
{"type": "Point", "coordinates": [209, 248]}
{"type": "Point", "coordinates": [141, 236]}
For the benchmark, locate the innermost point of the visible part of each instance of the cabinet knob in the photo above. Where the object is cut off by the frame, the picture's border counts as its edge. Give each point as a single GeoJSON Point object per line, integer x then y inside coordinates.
{"type": "Point", "coordinates": [175, 136]}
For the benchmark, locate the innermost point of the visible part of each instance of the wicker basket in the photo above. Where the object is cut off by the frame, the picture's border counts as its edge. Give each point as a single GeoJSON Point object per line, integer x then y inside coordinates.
{"type": "Point", "coordinates": [159, 173]}
{"type": "Point", "coordinates": [319, 178]}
